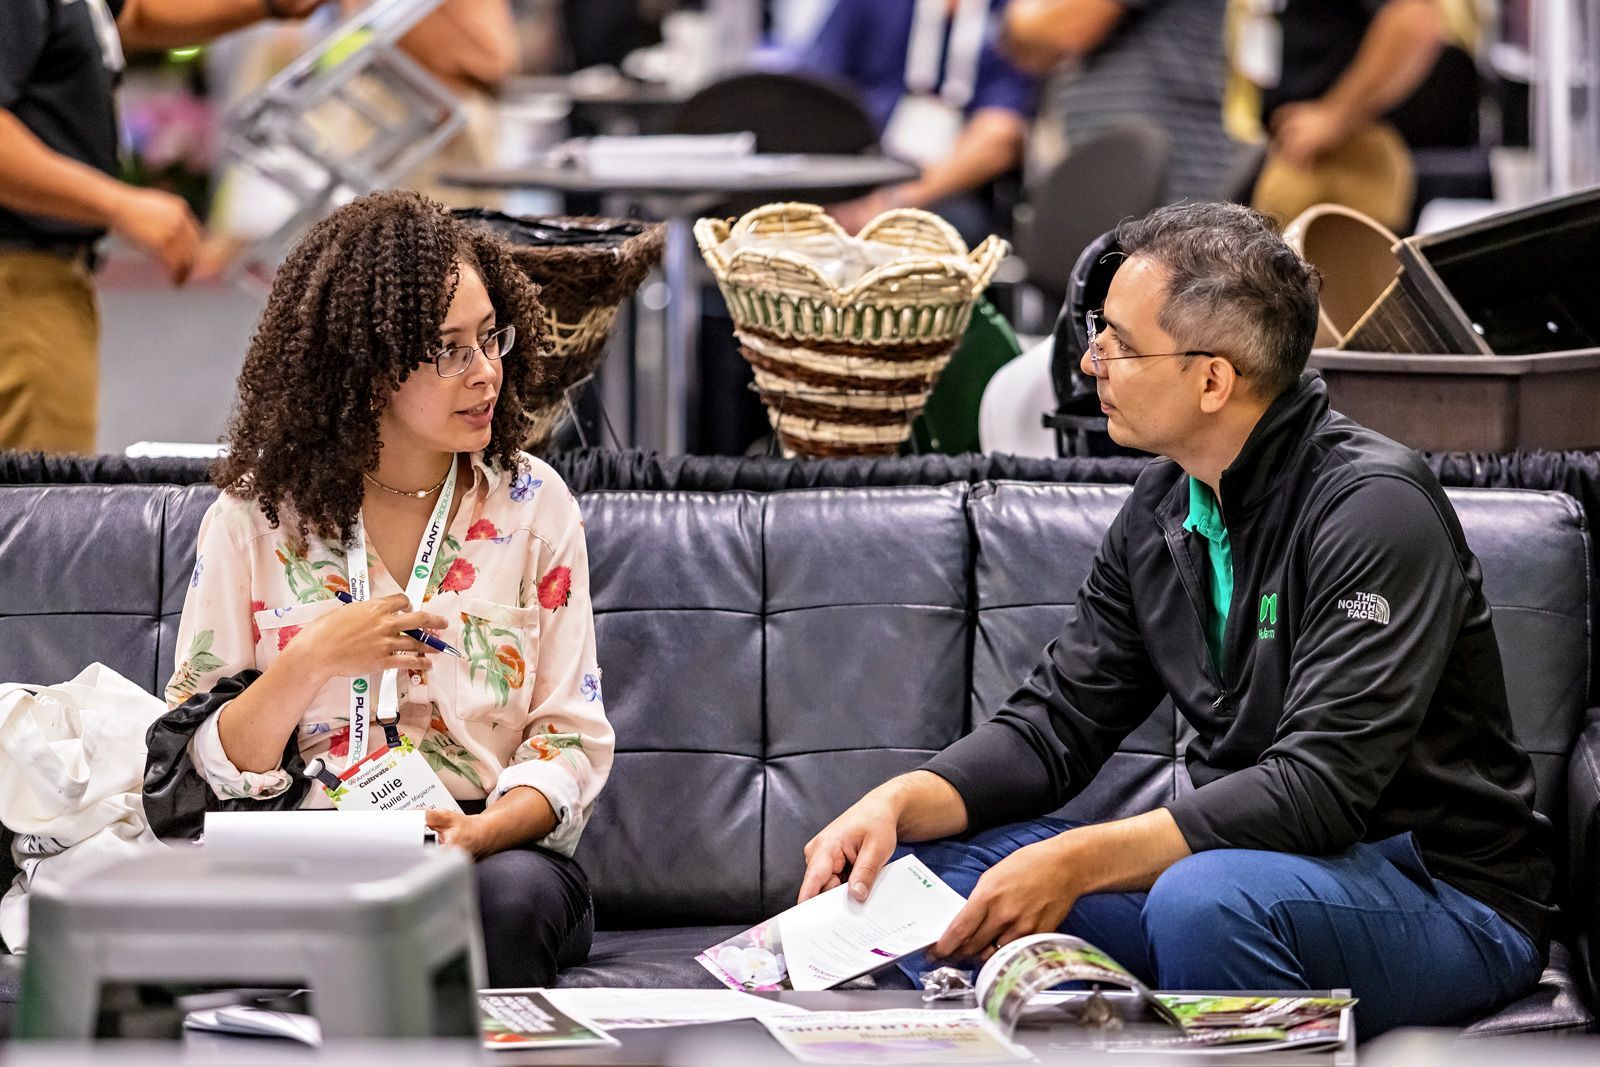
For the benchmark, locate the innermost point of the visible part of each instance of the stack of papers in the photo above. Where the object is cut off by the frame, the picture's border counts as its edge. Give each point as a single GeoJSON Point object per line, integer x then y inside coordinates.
{"type": "Point", "coordinates": [671, 156]}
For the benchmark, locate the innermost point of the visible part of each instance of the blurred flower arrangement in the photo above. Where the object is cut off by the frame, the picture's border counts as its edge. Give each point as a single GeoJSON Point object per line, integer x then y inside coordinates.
{"type": "Point", "coordinates": [169, 127]}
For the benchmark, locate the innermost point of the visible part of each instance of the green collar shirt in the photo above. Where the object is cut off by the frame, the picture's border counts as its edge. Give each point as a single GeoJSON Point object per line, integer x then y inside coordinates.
{"type": "Point", "coordinates": [1205, 519]}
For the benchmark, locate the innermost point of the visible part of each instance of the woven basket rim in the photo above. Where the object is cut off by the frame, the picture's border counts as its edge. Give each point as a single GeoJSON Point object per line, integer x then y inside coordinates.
{"type": "Point", "coordinates": [973, 268]}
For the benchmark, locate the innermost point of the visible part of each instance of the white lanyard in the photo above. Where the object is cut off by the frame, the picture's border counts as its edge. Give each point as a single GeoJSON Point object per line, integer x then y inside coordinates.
{"type": "Point", "coordinates": [105, 32]}
{"type": "Point", "coordinates": [388, 709]}
{"type": "Point", "coordinates": [961, 62]}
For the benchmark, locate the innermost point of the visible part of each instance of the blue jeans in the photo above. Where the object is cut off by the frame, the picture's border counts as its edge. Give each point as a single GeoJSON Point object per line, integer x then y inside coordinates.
{"type": "Point", "coordinates": [1415, 951]}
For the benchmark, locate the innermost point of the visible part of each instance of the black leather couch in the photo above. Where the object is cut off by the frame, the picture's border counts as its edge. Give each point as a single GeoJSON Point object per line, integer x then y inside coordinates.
{"type": "Point", "coordinates": [771, 656]}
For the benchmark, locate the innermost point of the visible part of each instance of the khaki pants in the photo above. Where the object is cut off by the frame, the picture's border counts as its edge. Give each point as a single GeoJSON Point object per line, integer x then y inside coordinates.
{"type": "Point", "coordinates": [49, 353]}
{"type": "Point", "coordinates": [1371, 172]}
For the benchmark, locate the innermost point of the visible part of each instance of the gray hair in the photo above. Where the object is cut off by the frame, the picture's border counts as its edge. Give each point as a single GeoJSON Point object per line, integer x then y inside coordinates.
{"type": "Point", "coordinates": [1233, 287]}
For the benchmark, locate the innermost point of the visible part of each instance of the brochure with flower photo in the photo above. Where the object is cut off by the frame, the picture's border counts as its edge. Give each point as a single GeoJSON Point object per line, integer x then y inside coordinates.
{"type": "Point", "coordinates": [833, 938]}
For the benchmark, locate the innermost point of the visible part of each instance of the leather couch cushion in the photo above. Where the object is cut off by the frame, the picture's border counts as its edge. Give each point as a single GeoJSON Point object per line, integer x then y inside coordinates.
{"type": "Point", "coordinates": [1554, 1004]}
{"type": "Point", "coordinates": [82, 581]}
{"type": "Point", "coordinates": [1535, 557]}
{"type": "Point", "coordinates": [1033, 548]}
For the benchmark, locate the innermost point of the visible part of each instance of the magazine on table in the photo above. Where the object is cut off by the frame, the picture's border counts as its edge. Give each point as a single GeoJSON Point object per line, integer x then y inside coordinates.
{"type": "Point", "coordinates": [1017, 983]}
{"type": "Point", "coordinates": [882, 1038]}
{"type": "Point", "coordinates": [1236, 1024]}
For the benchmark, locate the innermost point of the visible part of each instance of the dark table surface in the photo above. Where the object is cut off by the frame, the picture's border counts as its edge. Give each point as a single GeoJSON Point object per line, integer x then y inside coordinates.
{"type": "Point", "coordinates": [775, 176]}
{"type": "Point", "coordinates": [621, 91]}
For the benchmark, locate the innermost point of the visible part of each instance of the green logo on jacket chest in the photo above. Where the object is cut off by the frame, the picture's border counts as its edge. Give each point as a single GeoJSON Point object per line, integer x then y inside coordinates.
{"type": "Point", "coordinates": [1268, 618]}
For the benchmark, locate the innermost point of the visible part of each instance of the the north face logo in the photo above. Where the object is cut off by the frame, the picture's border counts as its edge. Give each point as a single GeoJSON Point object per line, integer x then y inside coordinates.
{"type": "Point", "coordinates": [1366, 606]}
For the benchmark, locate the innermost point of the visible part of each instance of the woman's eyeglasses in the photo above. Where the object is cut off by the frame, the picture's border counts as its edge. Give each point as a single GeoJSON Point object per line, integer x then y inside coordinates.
{"type": "Point", "coordinates": [452, 360]}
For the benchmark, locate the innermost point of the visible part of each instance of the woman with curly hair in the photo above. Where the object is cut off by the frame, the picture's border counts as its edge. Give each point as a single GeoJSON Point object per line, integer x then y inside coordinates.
{"type": "Point", "coordinates": [374, 484]}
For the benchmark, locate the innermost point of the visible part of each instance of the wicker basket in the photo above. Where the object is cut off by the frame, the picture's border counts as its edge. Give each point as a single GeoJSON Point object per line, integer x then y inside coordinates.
{"type": "Point", "coordinates": [585, 267]}
{"type": "Point", "coordinates": [845, 370]}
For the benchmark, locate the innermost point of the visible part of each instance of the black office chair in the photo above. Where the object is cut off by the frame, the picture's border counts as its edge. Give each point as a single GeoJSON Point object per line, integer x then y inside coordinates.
{"type": "Point", "coordinates": [1080, 427]}
{"type": "Point", "coordinates": [786, 112]}
{"type": "Point", "coordinates": [1115, 174]}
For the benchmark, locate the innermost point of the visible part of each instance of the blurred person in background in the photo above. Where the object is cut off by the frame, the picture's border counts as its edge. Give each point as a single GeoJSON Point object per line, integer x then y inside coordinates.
{"type": "Point", "coordinates": [470, 46]}
{"type": "Point", "coordinates": [60, 61]}
{"type": "Point", "coordinates": [943, 97]}
{"type": "Point", "coordinates": [1160, 61]}
{"type": "Point", "coordinates": [1316, 78]}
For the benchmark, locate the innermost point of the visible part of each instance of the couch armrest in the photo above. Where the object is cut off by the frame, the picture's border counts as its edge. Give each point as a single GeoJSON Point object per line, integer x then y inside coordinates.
{"type": "Point", "coordinates": [1583, 856]}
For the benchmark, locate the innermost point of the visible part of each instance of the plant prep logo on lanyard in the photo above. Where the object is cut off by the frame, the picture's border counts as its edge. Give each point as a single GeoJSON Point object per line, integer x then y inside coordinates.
{"type": "Point", "coordinates": [388, 710]}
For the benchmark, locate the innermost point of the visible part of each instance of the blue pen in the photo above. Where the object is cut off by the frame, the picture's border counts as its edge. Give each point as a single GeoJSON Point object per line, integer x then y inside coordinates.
{"type": "Point", "coordinates": [435, 643]}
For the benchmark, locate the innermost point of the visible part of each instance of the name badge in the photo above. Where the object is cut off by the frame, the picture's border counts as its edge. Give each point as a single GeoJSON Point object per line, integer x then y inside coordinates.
{"type": "Point", "coordinates": [1258, 55]}
{"type": "Point", "coordinates": [390, 779]}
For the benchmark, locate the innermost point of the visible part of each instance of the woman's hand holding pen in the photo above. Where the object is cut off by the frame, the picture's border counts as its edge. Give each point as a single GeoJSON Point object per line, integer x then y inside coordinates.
{"type": "Point", "coordinates": [365, 637]}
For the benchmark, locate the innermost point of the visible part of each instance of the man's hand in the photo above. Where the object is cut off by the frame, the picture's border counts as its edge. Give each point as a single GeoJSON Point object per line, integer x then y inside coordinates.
{"type": "Point", "coordinates": [155, 24]}
{"type": "Point", "coordinates": [854, 214]}
{"type": "Point", "coordinates": [1303, 132]}
{"type": "Point", "coordinates": [162, 225]}
{"type": "Point", "coordinates": [918, 806]}
{"type": "Point", "coordinates": [1028, 892]}
{"type": "Point", "coordinates": [855, 845]}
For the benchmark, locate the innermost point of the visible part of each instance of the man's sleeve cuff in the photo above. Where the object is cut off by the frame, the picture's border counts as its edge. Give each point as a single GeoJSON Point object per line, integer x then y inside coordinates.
{"type": "Point", "coordinates": [999, 775]}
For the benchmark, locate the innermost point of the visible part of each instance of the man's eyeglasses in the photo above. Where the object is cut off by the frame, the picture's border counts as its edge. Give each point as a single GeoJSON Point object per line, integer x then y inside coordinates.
{"type": "Point", "coordinates": [1097, 353]}
{"type": "Point", "coordinates": [452, 360]}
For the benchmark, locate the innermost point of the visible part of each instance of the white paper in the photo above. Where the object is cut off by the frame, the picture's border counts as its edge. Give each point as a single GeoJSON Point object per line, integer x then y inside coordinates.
{"type": "Point", "coordinates": [831, 938]}
{"type": "Point", "coordinates": [345, 836]}
{"type": "Point", "coordinates": [670, 156]}
{"type": "Point", "coordinates": [634, 1009]}
{"type": "Point", "coordinates": [891, 1037]}
{"type": "Point", "coordinates": [247, 1021]}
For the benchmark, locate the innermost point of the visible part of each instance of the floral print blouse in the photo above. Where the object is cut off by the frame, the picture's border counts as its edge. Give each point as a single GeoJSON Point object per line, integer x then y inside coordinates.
{"type": "Point", "coordinates": [523, 708]}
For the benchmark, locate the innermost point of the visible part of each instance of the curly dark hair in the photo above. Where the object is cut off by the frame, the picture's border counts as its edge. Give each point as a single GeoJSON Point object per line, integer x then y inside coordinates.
{"type": "Point", "coordinates": [352, 310]}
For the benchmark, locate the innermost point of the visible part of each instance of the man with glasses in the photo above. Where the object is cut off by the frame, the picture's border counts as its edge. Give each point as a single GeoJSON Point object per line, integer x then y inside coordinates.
{"type": "Point", "coordinates": [1301, 589]}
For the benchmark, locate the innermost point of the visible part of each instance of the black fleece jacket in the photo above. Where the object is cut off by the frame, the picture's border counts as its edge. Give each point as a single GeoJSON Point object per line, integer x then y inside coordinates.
{"type": "Point", "coordinates": [1361, 694]}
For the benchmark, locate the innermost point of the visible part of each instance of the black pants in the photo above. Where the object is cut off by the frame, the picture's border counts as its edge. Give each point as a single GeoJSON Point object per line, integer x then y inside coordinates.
{"type": "Point", "coordinates": [537, 915]}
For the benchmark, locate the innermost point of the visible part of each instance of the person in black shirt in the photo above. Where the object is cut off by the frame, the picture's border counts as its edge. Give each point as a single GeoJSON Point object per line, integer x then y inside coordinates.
{"type": "Point", "coordinates": [1327, 72]}
{"type": "Point", "coordinates": [59, 62]}
{"type": "Point", "coordinates": [1300, 587]}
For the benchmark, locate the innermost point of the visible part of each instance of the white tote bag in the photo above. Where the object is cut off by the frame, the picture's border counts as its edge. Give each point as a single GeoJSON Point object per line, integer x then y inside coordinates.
{"type": "Point", "coordinates": [71, 777]}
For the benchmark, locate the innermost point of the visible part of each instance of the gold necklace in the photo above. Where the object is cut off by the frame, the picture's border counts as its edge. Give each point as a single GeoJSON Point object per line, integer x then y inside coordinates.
{"type": "Point", "coordinates": [417, 494]}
